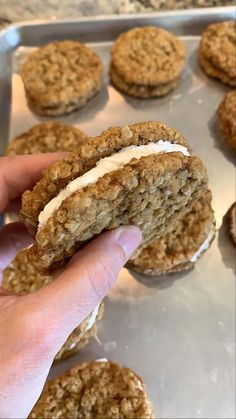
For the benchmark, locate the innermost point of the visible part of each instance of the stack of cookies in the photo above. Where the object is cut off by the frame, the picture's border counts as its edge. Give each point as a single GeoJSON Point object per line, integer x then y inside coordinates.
{"type": "Point", "coordinates": [217, 52]}
{"type": "Point", "coordinates": [146, 62]}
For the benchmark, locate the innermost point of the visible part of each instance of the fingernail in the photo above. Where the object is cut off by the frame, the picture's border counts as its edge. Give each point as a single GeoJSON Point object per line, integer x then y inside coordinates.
{"type": "Point", "coordinates": [129, 238]}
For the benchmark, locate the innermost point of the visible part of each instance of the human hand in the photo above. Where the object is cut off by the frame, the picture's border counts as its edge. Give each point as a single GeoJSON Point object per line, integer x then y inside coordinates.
{"type": "Point", "coordinates": [34, 327]}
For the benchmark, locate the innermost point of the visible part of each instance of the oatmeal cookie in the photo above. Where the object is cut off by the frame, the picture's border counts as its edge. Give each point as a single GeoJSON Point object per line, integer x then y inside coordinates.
{"type": "Point", "coordinates": [21, 278]}
{"type": "Point", "coordinates": [231, 218]}
{"type": "Point", "coordinates": [217, 52]}
{"type": "Point", "coordinates": [227, 119]}
{"type": "Point", "coordinates": [61, 77]}
{"type": "Point", "coordinates": [47, 137]}
{"type": "Point", "coordinates": [143, 174]}
{"type": "Point", "coordinates": [99, 389]}
{"type": "Point", "coordinates": [146, 62]}
{"type": "Point", "coordinates": [181, 248]}
{"type": "Point", "coordinates": [141, 91]}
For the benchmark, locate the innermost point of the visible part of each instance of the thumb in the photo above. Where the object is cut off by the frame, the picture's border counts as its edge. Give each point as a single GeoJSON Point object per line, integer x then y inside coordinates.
{"type": "Point", "coordinates": [65, 302]}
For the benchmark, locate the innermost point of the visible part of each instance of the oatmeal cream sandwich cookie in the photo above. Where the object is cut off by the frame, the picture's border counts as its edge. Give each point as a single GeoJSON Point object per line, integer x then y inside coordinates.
{"type": "Point", "coordinates": [47, 137]}
{"type": "Point", "coordinates": [217, 52]}
{"type": "Point", "coordinates": [22, 278]}
{"type": "Point", "coordinates": [180, 249]}
{"type": "Point", "coordinates": [146, 62]}
{"type": "Point", "coordinates": [143, 174]}
{"type": "Point", "coordinates": [99, 389]}
{"type": "Point", "coordinates": [61, 77]}
{"type": "Point", "coordinates": [227, 119]}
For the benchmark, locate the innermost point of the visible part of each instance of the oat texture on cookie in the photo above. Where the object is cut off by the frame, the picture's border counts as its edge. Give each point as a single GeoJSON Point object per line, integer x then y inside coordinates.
{"type": "Point", "coordinates": [178, 250]}
{"type": "Point", "coordinates": [150, 191]}
{"type": "Point", "coordinates": [94, 390]}
{"type": "Point", "coordinates": [146, 62]}
{"type": "Point", "coordinates": [61, 77]}
{"type": "Point", "coordinates": [22, 278]}
{"type": "Point", "coordinates": [227, 119]}
{"type": "Point", "coordinates": [217, 52]}
{"type": "Point", "coordinates": [47, 137]}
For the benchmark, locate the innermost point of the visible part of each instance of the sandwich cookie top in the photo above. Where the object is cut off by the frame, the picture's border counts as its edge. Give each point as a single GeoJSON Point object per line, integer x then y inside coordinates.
{"type": "Point", "coordinates": [99, 389]}
{"type": "Point", "coordinates": [148, 56]}
{"type": "Point", "coordinates": [61, 76]}
{"type": "Point", "coordinates": [47, 137]}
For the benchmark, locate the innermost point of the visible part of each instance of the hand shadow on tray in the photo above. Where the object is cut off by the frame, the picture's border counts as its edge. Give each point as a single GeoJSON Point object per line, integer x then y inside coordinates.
{"type": "Point", "coordinates": [227, 249]}
{"type": "Point", "coordinates": [161, 282]}
{"type": "Point", "coordinates": [86, 113]}
{"type": "Point", "coordinates": [219, 141]}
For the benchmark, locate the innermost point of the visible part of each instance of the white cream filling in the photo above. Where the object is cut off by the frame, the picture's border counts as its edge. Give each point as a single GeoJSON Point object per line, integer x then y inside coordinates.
{"type": "Point", "coordinates": [92, 318]}
{"type": "Point", "coordinates": [204, 246]}
{"type": "Point", "coordinates": [106, 165]}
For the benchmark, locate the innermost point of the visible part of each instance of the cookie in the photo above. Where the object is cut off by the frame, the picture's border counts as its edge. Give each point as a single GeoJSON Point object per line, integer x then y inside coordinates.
{"type": "Point", "coordinates": [180, 249]}
{"type": "Point", "coordinates": [146, 62]}
{"type": "Point", "coordinates": [231, 218]}
{"type": "Point", "coordinates": [227, 119]}
{"type": "Point", "coordinates": [217, 52]}
{"type": "Point", "coordinates": [21, 278]}
{"type": "Point", "coordinates": [47, 138]}
{"type": "Point", "coordinates": [99, 389]}
{"type": "Point", "coordinates": [141, 91]}
{"type": "Point", "coordinates": [143, 174]}
{"type": "Point", "coordinates": [61, 77]}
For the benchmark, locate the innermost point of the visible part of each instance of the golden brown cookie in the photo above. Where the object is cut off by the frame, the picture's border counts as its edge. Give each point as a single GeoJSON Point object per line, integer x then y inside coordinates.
{"type": "Point", "coordinates": [217, 52]}
{"type": "Point", "coordinates": [231, 218]}
{"type": "Point", "coordinates": [47, 137]}
{"type": "Point", "coordinates": [181, 248]}
{"type": "Point", "coordinates": [21, 278]}
{"type": "Point", "coordinates": [146, 62]}
{"type": "Point", "coordinates": [61, 77]}
{"type": "Point", "coordinates": [141, 91]}
{"type": "Point", "coordinates": [148, 179]}
{"type": "Point", "coordinates": [227, 118]}
{"type": "Point", "coordinates": [94, 390]}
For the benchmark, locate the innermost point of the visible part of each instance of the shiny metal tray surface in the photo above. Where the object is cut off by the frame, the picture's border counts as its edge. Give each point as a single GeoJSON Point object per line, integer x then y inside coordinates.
{"type": "Point", "coordinates": [178, 331]}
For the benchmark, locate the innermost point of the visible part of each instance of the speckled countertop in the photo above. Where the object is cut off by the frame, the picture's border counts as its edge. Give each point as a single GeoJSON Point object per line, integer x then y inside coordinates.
{"type": "Point", "coordinates": [17, 10]}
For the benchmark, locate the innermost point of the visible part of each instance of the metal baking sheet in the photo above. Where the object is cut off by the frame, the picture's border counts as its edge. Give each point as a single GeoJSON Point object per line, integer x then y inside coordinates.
{"type": "Point", "coordinates": [178, 331]}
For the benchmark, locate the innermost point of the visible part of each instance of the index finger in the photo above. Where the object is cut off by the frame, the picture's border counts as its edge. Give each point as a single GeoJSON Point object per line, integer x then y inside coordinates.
{"type": "Point", "coordinates": [18, 173]}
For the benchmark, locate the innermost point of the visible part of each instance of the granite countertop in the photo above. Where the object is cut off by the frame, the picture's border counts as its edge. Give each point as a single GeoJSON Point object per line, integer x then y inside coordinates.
{"type": "Point", "coordinates": [18, 10]}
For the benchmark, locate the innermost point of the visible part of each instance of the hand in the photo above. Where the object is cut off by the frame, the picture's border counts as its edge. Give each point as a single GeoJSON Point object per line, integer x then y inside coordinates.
{"type": "Point", "coordinates": [34, 327]}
